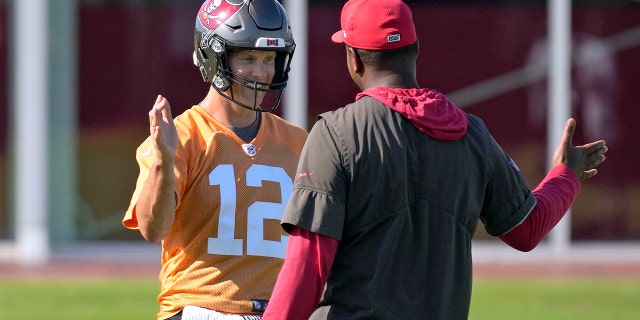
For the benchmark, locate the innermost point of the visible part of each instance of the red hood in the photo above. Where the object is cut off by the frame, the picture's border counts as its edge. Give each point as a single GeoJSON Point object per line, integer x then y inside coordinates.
{"type": "Point", "coordinates": [428, 110]}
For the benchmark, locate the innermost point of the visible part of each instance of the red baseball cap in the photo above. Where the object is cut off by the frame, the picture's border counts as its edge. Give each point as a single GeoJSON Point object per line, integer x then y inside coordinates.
{"type": "Point", "coordinates": [376, 25]}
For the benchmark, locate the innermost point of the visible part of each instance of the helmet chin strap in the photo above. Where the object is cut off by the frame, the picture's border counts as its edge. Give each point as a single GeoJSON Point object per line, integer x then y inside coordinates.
{"type": "Point", "coordinates": [224, 85]}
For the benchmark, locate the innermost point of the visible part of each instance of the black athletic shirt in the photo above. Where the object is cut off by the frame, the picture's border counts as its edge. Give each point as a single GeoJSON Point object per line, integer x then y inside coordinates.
{"type": "Point", "coordinates": [404, 207]}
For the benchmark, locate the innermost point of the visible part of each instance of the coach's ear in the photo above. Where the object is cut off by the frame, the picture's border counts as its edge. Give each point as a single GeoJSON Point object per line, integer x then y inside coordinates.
{"type": "Point", "coordinates": [354, 63]}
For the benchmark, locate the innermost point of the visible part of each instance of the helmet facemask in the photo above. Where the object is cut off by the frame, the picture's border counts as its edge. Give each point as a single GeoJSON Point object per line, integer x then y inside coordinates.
{"type": "Point", "coordinates": [252, 25]}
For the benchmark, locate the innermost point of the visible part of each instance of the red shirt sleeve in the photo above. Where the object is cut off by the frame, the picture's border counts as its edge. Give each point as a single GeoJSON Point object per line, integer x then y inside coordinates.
{"type": "Point", "coordinates": [303, 275]}
{"type": "Point", "coordinates": [554, 196]}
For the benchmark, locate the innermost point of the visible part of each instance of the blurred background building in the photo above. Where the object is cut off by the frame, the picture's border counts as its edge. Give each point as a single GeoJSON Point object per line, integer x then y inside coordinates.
{"type": "Point", "coordinates": [107, 60]}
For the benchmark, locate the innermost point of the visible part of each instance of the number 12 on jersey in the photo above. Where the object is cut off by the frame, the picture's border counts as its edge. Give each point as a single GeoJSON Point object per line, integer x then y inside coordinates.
{"type": "Point", "coordinates": [257, 213]}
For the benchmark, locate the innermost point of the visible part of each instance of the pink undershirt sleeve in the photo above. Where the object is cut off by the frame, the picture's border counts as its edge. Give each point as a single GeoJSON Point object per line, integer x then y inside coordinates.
{"type": "Point", "coordinates": [554, 196]}
{"type": "Point", "coordinates": [301, 281]}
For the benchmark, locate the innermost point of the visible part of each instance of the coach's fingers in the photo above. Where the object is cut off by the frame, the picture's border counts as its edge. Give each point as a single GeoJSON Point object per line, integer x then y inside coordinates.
{"type": "Point", "coordinates": [597, 157]}
{"type": "Point", "coordinates": [596, 148]}
{"type": "Point", "coordinates": [594, 155]}
{"type": "Point", "coordinates": [588, 174]}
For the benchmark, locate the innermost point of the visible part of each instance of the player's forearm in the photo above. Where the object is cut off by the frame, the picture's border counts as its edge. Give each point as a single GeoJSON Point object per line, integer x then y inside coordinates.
{"type": "Point", "coordinates": [554, 196]}
{"type": "Point", "coordinates": [155, 208]}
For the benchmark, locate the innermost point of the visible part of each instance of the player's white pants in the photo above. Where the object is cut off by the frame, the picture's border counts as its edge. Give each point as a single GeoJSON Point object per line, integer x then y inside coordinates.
{"type": "Point", "coordinates": [197, 313]}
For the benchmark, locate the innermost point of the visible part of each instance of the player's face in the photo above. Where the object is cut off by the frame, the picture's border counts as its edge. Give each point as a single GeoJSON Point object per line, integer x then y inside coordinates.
{"type": "Point", "coordinates": [254, 65]}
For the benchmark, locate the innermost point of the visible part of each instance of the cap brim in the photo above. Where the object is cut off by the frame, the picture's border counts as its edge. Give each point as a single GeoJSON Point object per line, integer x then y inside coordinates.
{"type": "Point", "coordinates": [338, 37]}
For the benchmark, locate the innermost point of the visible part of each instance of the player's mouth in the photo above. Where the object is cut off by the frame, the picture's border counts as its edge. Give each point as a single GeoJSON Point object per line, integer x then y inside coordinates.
{"type": "Point", "coordinates": [255, 85]}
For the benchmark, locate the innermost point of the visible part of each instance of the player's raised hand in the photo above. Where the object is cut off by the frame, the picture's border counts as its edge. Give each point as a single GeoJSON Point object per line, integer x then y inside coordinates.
{"type": "Point", "coordinates": [582, 160]}
{"type": "Point", "coordinates": [162, 129]}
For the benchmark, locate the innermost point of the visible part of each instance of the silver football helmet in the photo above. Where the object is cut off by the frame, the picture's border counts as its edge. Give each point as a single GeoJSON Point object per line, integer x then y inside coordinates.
{"type": "Point", "coordinates": [222, 25]}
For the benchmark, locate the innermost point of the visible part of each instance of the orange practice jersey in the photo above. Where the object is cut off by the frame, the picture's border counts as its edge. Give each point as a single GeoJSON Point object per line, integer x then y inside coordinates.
{"type": "Point", "coordinates": [226, 246]}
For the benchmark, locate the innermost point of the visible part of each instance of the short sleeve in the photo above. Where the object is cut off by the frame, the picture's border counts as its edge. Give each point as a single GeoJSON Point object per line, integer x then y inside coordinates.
{"type": "Point", "coordinates": [144, 157]}
{"type": "Point", "coordinates": [508, 199]}
{"type": "Point", "coordinates": [317, 203]}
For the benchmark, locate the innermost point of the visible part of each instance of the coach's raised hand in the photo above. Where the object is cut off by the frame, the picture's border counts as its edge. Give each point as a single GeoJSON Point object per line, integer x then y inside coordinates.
{"type": "Point", "coordinates": [582, 160]}
{"type": "Point", "coordinates": [162, 129]}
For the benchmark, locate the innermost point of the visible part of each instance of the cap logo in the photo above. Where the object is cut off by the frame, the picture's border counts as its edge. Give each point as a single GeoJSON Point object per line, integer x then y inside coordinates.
{"type": "Point", "coordinates": [270, 43]}
{"type": "Point", "coordinates": [393, 38]}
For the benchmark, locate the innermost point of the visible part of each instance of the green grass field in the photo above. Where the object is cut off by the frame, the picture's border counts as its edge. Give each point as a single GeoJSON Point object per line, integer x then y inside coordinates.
{"type": "Point", "coordinates": [492, 299]}
{"type": "Point", "coordinates": [78, 299]}
{"type": "Point", "coordinates": [562, 299]}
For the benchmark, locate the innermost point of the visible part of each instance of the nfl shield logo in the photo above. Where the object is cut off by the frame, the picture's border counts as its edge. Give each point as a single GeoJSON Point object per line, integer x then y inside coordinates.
{"type": "Point", "coordinates": [249, 149]}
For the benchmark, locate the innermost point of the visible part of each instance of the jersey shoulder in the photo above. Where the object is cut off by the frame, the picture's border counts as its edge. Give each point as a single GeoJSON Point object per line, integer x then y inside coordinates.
{"type": "Point", "coordinates": [196, 121]}
{"type": "Point", "coordinates": [282, 130]}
